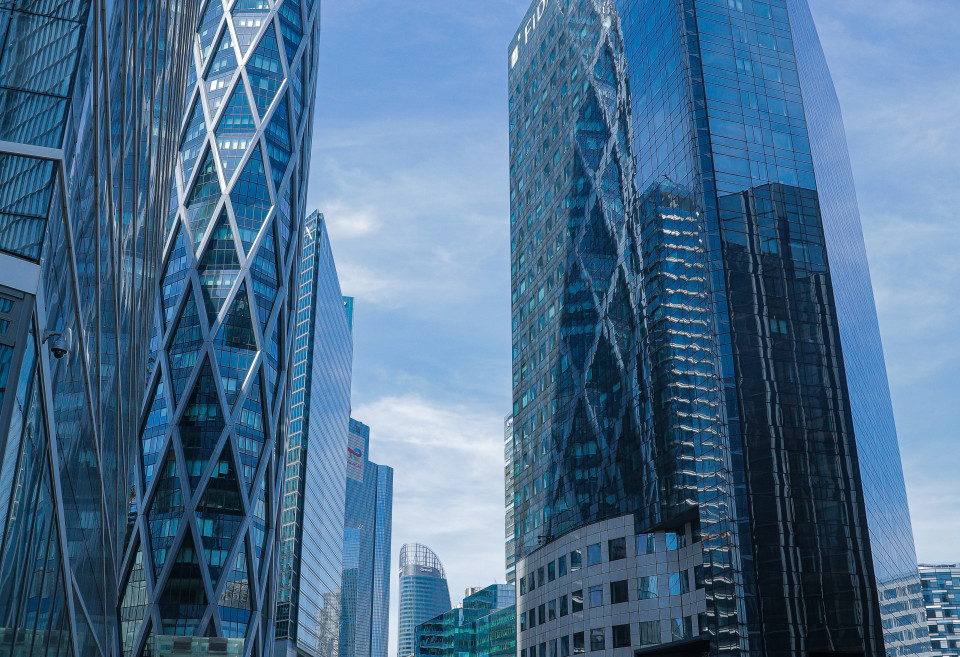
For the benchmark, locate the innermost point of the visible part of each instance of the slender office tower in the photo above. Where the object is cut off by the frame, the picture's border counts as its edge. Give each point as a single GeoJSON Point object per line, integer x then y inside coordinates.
{"type": "Point", "coordinates": [423, 593]}
{"type": "Point", "coordinates": [705, 456]}
{"type": "Point", "coordinates": [311, 531]}
{"type": "Point", "coordinates": [90, 97]}
{"type": "Point", "coordinates": [367, 534]}
{"type": "Point", "coordinates": [207, 491]}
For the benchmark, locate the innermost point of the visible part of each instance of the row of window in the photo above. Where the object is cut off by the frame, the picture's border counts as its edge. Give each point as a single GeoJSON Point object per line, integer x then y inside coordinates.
{"type": "Point", "coordinates": [616, 551]}
{"type": "Point", "coordinates": [619, 635]}
{"type": "Point", "coordinates": [648, 588]}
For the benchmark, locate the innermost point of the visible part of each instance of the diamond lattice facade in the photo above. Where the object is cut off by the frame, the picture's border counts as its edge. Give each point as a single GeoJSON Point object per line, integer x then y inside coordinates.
{"type": "Point", "coordinates": [201, 557]}
{"type": "Point", "coordinates": [90, 98]}
{"type": "Point", "coordinates": [694, 335]}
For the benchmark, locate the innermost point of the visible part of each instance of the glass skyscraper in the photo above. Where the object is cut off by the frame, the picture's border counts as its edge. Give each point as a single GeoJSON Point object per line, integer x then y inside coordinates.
{"type": "Point", "coordinates": [90, 96]}
{"type": "Point", "coordinates": [367, 534]}
{"type": "Point", "coordinates": [311, 530]}
{"type": "Point", "coordinates": [941, 599]}
{"type": "Point", "coordinates": [423, 593]}
{"type": "Point", "coordinates": [510, 545]}
{"type": "Point", "coordinates": [484, 625]}
{"type": "Point", "coordinates": [208, 477]}
{"type": "Point", "coordinates": [699, 385]}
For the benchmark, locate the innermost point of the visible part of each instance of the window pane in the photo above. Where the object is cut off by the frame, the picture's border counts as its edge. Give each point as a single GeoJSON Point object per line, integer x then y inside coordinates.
{"type": "Point", "coordinates": [541, 580]}
{"type": "Point", "coordinates": [578, 601]}
{"type": "Point", "coordinates": [578, 643]}
{"type": "Point", "coordinates": [523, 586]}
{"type": "Point", "coordinates": [618, 592]}
{"type": "Point", "coordinates": [562, 566]}
{"type": "Point", "coordinates": [679, 583]}
{"type": "Point", "coordinates": [681, 628]}
{"type": "Point", "coordinates": [553, 648]}
{"type": "Point", "coordinates": [596, 596]}
{"type": "Point", "coordinates": [542, 614]}
{"type": "Point", "coordinates": [676, 541]}
{"type": "Point", "coordinates": [564, 606]}
{"type": "Point", "coordinates": [552, 571]}
{"type": "Point", "coordinates": [552, 610]}
{"type": "Point", "coordinates": [647, 587]}
{"type": "Point", "coordinates": [597, 640]}
{"type": "Point", "coordinates": [617, 548]}
{"type": "Point", "coordinates": [649, 633]}
{"type": "Point", "coordinates": [575, 560]}
{"type": "Point", "coordinates": [564, 646]}
{"type": "Point", "coordinates": [621, 636]}
{"type": "Point", "coordinates": [645, 544]}
{"type": "Point", "coordinates": [593, 554]}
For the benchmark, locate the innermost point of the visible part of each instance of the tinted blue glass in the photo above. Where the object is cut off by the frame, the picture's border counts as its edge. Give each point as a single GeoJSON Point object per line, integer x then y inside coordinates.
{"type": "Point", "coordinates": [679, 334]}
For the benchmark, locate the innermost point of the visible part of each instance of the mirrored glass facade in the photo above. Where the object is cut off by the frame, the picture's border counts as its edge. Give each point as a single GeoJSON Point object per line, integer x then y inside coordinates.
{"type": "Point", "coordinates": [685, 304]}
{"type": "Point", "coordinates": [483, 625]}
{"type": "Point", "coordinates": [212, 440]}
{"type": "Point", "coordinates": [367, 536]}
{"type": "Point", "coordinates": [90, 95]}
{"type": "Point", "coordinates": [423, 593]}
{"type": "Point", "coordinates": [311, 530]}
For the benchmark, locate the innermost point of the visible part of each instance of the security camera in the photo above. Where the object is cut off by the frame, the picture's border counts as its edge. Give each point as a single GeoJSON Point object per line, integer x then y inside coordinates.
{"type": "Point", "coordinates": [59, 342]}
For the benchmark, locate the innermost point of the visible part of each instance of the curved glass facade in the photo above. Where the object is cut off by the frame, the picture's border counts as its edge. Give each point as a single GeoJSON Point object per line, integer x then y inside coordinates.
{"type": "Point", "coordinates": [423, 593]}
{"type": "Point", "coordinates": [89, 108]}
{"type": "Point", "coordinates": [685, 295]}
{"type": "Point", "coordinates": [209, 475]}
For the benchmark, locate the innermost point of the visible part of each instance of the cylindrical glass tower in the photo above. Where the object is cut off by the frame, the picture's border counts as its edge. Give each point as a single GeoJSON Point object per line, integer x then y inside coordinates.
{"type": "Point", "coordinates": [423, 592]}
{"type": "Point", "coordinates": [206, 490]}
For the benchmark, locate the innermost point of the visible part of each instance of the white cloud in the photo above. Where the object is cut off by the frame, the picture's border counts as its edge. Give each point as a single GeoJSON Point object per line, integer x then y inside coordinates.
{"type": "Point", "coordinates": [448, 484]}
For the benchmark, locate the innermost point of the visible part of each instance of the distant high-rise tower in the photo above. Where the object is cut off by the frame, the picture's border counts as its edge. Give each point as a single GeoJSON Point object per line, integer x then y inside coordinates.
{"type": "Point", "coordinates": [213, 437]}
{"type": "Point", "coordinates": [311, 530]}
{"type": "Point", "coordinates": [90, 97]}
{"type": "Point", "coordinates": [367, 534]}
{"type": "Point", "coordinates": [423, 593]}
{"type": "Point", "coordinates": [699, 387]}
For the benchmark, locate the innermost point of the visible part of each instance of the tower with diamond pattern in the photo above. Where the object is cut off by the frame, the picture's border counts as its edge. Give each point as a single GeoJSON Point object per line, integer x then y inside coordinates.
{"type": "Point", "coordinates": [210, 462]}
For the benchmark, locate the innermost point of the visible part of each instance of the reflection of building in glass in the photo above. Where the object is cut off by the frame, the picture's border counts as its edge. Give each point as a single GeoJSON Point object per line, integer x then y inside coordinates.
{"type": "Point", "coordinates": [484, 625]}
{"type": "Point", "coordinates": [311, 530]}
{"type": "Point", "coordinates": [211, 446]}
{"type": "Point", "coordinates": [511, 549]}
{"type": "Point", "coordinates": [902, 611]}
{"type": "Point", "coordinates": [423, 593]}
{"type": "Point", "coordinates": [367, 533]}
{"type": "Point", "coordinates": [687, 262]}
{"type": "Point", "coordinates": [941, 597]}
{"type": "Point", "coordinates": [90, 95]}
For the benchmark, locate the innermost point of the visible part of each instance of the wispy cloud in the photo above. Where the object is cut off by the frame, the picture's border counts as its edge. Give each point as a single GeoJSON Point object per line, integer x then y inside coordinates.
{"type": "Point", "coordinates": [448, 483]}
{"type": "Point", "coordinates": [895, 67]}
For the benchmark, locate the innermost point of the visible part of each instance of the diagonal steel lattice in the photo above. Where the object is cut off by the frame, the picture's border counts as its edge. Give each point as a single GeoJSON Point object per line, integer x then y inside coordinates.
{"type": "Point", "coordinates": [200, 560]}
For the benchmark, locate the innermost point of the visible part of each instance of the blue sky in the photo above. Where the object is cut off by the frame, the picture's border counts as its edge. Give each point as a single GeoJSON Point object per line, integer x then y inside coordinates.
{"type": "Point", "coordinates": [410, 169]}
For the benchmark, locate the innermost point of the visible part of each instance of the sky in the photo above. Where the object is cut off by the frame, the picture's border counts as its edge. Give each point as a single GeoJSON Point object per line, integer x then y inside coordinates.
{"type": "Point", "coordinates": [410, 170]}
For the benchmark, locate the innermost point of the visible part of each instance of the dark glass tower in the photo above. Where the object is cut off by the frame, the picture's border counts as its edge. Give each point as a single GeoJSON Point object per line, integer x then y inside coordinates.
{"type": "Point", "coordinates": [423, 593]}
{"type": "Point", "coordinates": [695, 337]}
{"type": "Point", "coordinates": [311, 531]}
{"type": "Point", "coordinates": [367, 535]}
{"type": "Point", "coordinates": [209, 469]}
{"type": "Point", "coordinates": [90, 96]}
